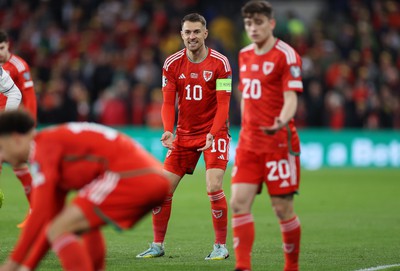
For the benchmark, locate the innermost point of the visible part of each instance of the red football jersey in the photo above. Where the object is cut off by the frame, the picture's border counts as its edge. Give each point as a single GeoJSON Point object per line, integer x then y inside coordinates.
{"type": "Point", "coordinates": [21, 75]}
{"type": "Point", "coordinates": [67, 158]}
{"type": "Point", "coordinates": [195, 84]}
{"type": "Point", "coordinates": [263, 80]}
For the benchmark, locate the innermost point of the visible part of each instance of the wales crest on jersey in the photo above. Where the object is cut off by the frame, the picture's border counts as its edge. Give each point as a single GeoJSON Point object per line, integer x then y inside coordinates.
{"type": "Point", "coordinates": [207, 75]}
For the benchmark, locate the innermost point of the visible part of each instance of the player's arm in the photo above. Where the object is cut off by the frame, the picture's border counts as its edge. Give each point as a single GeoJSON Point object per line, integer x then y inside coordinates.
{"type": "Point", "coordinates": [10, 90]}
{"type": "Point", "coordinates": [223, 92]}
{"type": "Point", "coordinates": [42, 245]}
{"type": "Point", "coordinates": [287, 113]}
{"type": "Point", "coordinates": [28, 92]}
{"type": "Point", "coordinates": [168, 109]}
{"type": "Point", "coordinates": [45, 202]}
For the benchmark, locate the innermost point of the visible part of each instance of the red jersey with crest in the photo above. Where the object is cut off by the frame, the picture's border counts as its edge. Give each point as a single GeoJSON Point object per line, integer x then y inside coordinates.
{"type": "Point", "coordinates": [195, 84]}
{"type": "Point", "coordinates": [67, 158]}
{"type": "Point", "coordinates": [21, 75]}
{"type": "Point", "coordinates": [263, 80]}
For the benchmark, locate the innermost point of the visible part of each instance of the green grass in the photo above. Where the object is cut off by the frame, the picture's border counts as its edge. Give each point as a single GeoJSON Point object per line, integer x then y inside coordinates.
{"type": "Point", "coordinates": [350, 220]}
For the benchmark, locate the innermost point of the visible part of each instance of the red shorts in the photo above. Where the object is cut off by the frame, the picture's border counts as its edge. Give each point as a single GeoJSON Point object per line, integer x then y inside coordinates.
{"type": "Point", "coordinates": [280, 171]}
{"type": "Point", "coordinates": [121, 202]}
{"type": "Point", "coordinates": [184, 157]}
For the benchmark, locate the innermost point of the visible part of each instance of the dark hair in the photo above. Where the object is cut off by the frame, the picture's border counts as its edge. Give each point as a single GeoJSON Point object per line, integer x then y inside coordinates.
{"type": "Point", "coordinates": [15, 121]}
{"type": "Point", "coordinates": [257, 6]}
{"type": "Point", "coordinates": [3, 36]}
{"type": "Point", "coordinates": [194, 17]}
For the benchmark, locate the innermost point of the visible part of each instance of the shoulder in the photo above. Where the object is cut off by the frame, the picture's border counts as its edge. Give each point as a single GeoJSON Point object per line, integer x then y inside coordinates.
{"type": "Point", "coordinates": [18, 63]}
{"type": "Point", "coordinates": [221, 59]}
{"type": "Point", "coordinates": [287, 51]}
{"type": "Point", "coordinates": [173, 58]}
{"type": "Point", "coordinates": [247, 48]}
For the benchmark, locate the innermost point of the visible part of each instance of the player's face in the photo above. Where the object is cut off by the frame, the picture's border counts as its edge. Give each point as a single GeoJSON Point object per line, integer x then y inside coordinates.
{"type": "Point", "coordinates": [15, 148]}
{"type": "Point", "coordinates": [259, 28]}
{"type": "Point", "coordinates": [193, 35]}
{"type": "Point", "coordinates": [4, 52]}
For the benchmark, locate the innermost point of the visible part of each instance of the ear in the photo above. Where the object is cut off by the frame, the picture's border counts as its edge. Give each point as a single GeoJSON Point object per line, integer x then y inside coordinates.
{"type": "Point", "coordinates": [272, 23]}
{"type": "Point", "coordinates": [206, 33]}
{"type": "Point", "coordinates": [182, 35]}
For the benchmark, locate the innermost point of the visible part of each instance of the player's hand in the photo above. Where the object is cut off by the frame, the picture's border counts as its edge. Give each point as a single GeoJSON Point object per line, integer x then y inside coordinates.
{"type": "Point", "coordinates": [271, 130]}
{"type": "Point", "coordinates": [9, 265]}
{"type": "Point", "coordinates": [209, 141]}
{"type": "Point", "coordinates": [166, 139]}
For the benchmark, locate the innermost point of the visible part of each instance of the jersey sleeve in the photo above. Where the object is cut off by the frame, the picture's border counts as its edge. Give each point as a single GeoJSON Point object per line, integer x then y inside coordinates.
{"type": "Point", "coordinates": [223, 92]}
{"type": "Point", "coordinates": [28, 92]}
{"type": "Point", "coordinates": [169, 95]}
{"type": "Point", "coordinates": [241, 67]}
{"type": "Point", "coordinates": [9, 89]}
{"type": "Point", "coordinates": [291, 77]}
{"type": "Point", "coordinates": [47, 200]}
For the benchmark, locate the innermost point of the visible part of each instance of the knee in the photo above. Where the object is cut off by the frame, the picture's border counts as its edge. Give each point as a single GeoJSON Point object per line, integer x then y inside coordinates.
{"type": "Point", "coordinates": [282, 211]}
{"type": "Point", "coordinates": [51, 232]}
{"type": "Point", "coordinates": [238, 206]}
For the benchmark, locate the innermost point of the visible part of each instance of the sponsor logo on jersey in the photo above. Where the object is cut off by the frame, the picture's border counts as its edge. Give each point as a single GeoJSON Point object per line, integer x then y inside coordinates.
{"type": "Point", "coordinates": [268, 67]}
{"type": "Point", "coordinates": [295, 71]}
{"type": "Point", "coordinates": [207, 75]}
{"type": "Point", "coordinates": [221, 157]}
{"type": "Point", "coordinates": [194, 75]}
{"type": "Point", "coordinates": [243, 68]}
{"type": "Point", "coordinates": [182, 76]}
{"type": "Point", "coordinates": [164, 81]}
{"type": "Point", "coordinates": [255, 67]}
{"type": "Point", "coordinates": [217, 213]}
{"type": "Point", "coordinates": [169, 153]}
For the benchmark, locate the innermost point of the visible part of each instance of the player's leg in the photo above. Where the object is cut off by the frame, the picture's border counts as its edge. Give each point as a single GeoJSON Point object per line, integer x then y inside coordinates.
{"type": "Point", "coordinates": [66, 243]}
{"type": "Point", "coordinates": [178, 162]}
{"type": "Point", "coordinates": [219, 212]}
{"type": "Point", "coordinates": [283, 181]}
{"type": "Point", "coordinates": [216, 159]}
{"type": "Point", "coordinates": [24, 176]}
{"type": "Point", "coordinates": [94, 244]}
{"type": "Point", "coordinates": [161, 215]}
{"type": "Point", "coordinates": [247, 175]}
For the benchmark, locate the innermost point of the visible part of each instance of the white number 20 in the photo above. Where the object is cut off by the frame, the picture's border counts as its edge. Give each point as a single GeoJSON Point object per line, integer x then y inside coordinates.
{"type": "Point", "coordinates": [252, 88]}
{"type": "Point", "coordinates": [278, 170]}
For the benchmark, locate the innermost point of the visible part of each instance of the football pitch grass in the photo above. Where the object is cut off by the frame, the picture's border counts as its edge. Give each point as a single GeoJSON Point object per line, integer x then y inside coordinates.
{"type": "Point", "coordinates": [350, 221]}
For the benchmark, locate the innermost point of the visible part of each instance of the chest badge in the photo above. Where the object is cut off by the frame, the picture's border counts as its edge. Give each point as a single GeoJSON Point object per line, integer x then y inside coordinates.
{"type": "Point", "coordinates": [207, 75]}
{"type": "Point", "coordinates": [268, 67]}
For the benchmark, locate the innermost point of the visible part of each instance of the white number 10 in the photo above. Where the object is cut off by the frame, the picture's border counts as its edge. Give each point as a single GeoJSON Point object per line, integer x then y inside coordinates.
{"type": "Point", "coordinates": [196, 93]}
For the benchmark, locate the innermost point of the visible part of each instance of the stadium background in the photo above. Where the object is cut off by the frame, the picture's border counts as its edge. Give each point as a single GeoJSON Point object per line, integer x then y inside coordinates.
{"type": "Point", "coordinates": [101, 61]}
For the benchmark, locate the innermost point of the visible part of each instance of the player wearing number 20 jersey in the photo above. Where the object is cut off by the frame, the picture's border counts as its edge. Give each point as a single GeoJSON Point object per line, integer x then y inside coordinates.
{"type": "Point", "coordinates": [263, 80]}
{"type": "Point", "coordinates": [268, 148]}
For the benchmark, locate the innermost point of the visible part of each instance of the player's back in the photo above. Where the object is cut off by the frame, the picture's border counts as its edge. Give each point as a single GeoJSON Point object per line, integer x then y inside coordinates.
{"type": "Point", "coordinates": [195, 84]}
{"type": "Point", "coordinates": [83, 151]}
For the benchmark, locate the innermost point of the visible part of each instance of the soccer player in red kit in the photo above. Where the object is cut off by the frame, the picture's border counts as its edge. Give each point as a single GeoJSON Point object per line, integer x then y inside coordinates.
{"type": "Point", "coordinates": [201, 78]}
{"type": "Point", "coordinates": [117, 182]}
{"type": "Point", "coordinates": [268, 148]}
{"type": "Point", "coordinates": [19, 71]}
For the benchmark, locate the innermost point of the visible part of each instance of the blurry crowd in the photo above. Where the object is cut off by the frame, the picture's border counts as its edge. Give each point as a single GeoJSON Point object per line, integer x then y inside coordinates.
{"type": "Point", "coordinates": [101, 60]}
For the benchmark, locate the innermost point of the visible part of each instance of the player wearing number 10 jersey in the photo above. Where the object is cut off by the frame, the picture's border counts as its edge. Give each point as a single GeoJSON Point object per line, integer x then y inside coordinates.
{"type": "Point", "coordinates": [268, 148]}
{"type": "Point", "coordinates": [201, 79]}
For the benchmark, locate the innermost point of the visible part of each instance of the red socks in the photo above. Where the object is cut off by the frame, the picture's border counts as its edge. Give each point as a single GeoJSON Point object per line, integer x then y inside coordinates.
{"type": "Point", "coordinates": [291, 233]}
{"type": "Point", "coordinates": [25, 177]}
{"type": "Point", "coordinates": [161, 215]}
{"type": "Point", "coordinates": [94, 243]}
{"type": "Point", "coordinates": [72, 254]}
{"type": "Point", "coordinates": [219, 211]}
{"type": "Point", "coordinates": [243, 239]}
